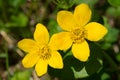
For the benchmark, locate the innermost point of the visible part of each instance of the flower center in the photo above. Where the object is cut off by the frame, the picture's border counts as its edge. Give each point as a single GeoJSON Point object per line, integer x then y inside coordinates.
{"type": "Point", "coordinates": [78, 35]}
{"type": "Point", "coordinates": [44, 53]}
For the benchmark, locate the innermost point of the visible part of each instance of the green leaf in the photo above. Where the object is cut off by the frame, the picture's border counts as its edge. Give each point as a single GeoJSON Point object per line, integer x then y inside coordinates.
{"type": "Point", "coordinates": [67, 73]}
{"type": "Point", "coordinates": [1, 4]}
{"type": "Point", "coordinates": [90, 2]}
{"type": "Point", "coordinates": [106, 45]}
{"type": "Point", "coordinates": [95, 76]}
{"type": "Point", "coordinates": [118, 57]}
{"type": "Point", "coordinates": [113, 11]}
{"type": "Point", "coordinates": [71, 61]}
{"type": "Point", "coordinates": [22, 32]}
{"type": "Point", "coordinates": [80, 74]}
{"type": "Point", "coordinates": [114, 2]}
{"type": "Point", "coordinates": [77, 69]}
{"type": "Point", "coordinates": [96, 17]}
{"type": "Point", "coordinates": [93, 66]}
{"type": "Point", "coordinates": [82, 70]}
{"type": "Point", "coordinates": [63, 74]}
{"type": "Point", "coordinates": [53, 27]}
{"type": "Point", "coordinates": [105, 76]}
{"type": "Point", "coordinates": [18, 21]}
{"type": "Point", "coordinates": [2, 55]}
{"type": "Point", "coordinates": [96, 52]}
{"type": "Point", "coordinates": [112, 34]}
{"type": "Point", "coordinates": [22, 75]}
{"type": "Point", "coordinates": [16, 3]}
{"type": "Point", "coordinates": [76, 66]}
{"type": "Point", "coordinates": [64, 4]}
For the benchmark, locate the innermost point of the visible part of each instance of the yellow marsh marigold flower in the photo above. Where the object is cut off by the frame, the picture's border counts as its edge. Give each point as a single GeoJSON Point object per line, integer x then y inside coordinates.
{"type": "Point", "coordinates": [76, 31]}
{"type": "Point", "coordinates": [40, 52]}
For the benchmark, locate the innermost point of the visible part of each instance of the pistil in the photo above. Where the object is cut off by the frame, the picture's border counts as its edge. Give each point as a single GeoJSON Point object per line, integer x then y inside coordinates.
{"type": "Point", "coordinates": [44, 53]}
{"type": "Point", "coordinates": [78, 35]}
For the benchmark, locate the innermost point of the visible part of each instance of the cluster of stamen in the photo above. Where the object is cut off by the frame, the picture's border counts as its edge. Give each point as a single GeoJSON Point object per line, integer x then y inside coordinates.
{"type": "Point", "coordinates": [44, 53]}
{"type": "Point", "coordinates": [78, 35]}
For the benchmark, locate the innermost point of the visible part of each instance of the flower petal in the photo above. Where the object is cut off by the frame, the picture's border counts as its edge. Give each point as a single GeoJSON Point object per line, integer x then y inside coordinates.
{"type": "Point", "coordinates": [30, 60]}
{"type": "Point", "coordinates": [65, 20]}
{"type": "Point", "coordinates": [27, 45]}
{"type": "Point", "coordinates": [82, 14]}
{"type": "Point", "coordinates": [60, 41]}
{"type": "Point", "coordinates": [81, 51]}
{"type": "Point", "coordinates": [95, 31]}
{"type": "Point", "coordinates": [56, 60]}
{"type": "Point", "coordinates": [41, 67]}
{"type": "Point", "coordinates": [41, 34]}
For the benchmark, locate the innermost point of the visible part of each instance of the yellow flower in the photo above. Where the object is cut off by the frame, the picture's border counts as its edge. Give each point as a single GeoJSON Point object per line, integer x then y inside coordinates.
{"type": "Point", "coordinates": [40, 52]}
{"type": "Point", "coordinates": [77, 31]}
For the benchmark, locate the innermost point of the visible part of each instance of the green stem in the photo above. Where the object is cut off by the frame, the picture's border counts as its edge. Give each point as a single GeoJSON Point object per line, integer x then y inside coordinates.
{"type": "Point", "coordinates": [67, 53]}
{"type": "Point", "coordinates": [7, 63]}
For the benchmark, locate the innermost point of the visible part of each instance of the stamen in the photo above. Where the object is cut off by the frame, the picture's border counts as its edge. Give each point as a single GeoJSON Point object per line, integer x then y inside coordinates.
{"type": "Point", "coordinates": [78, 35]}
{"type": "Point", "coordinates": [44, 53]}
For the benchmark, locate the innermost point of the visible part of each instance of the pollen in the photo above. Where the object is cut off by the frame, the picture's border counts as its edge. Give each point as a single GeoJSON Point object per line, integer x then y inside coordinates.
{"type": "Point", "coordinates": [78, 35]}
{"type": "Point", "coordinates": [44, 53]}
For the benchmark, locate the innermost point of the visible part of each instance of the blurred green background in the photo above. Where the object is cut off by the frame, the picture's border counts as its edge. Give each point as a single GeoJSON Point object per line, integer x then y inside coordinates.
{"type": "Point", "coordinates": [18, 19]}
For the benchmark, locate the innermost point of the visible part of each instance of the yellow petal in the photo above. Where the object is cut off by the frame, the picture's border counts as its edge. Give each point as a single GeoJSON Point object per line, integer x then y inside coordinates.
{"type": "Point", "coordinates": [81, 51]}
{"type": "Point", "coordinates": [56, 60]}
{"type": "Point", "coordinates": [30, 60]}
{"type": "Point", "coordinates": [82, 14]}
{"type": "Point", "coordinates": [41, 67]}
{"type": "Point", "coordinates": [27, 45]}
{"type": "Point", "coordinates": [41, 34]}
{"type": "Point", "coordinates": [60, 41]}
{"type": "Point", "coordinates": [95, 31]}
{"type": "Point", "coordinates": [65, 20]}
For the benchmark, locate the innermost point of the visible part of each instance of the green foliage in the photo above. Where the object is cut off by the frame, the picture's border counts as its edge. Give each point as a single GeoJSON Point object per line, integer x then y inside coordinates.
{"type": "Point", "coordinates": [20, 20]}
{"type": "Point", "coordinates": [0, 3]}
{"type": "Point", "coordinates": [53, 27]}
{"type": "Point", "coordinates": [65, 4]}
{"type": "Point", "coordinates": [113, 11]}
{"type": "Point", "coordinates": [118, 57]}
{"type": "Point", "coordinates": [80, 74]}
{"type": "Point", "coordinates": [96, 17]}
{"type": "Point", "coordinates": [93, 66]}
{"type": "Point", "coordinates": [105, 76]}
{"type": "Point", "coordinates": [112, 35]}
{"type": "Point", "coordinates": [89, 2]}
{"type": "Point", "coordinates": [2, 55]}
{"type": "Point", "coordinates": [114, 2]}
{"type": "Point", "coordinates": [77, 69]}
{"type": "Point", "coordinates": [22, 75]}
{"type": "Point", "coordinates": [19, 17]}
{"type": "Point", "coordinates": [16, 3]}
